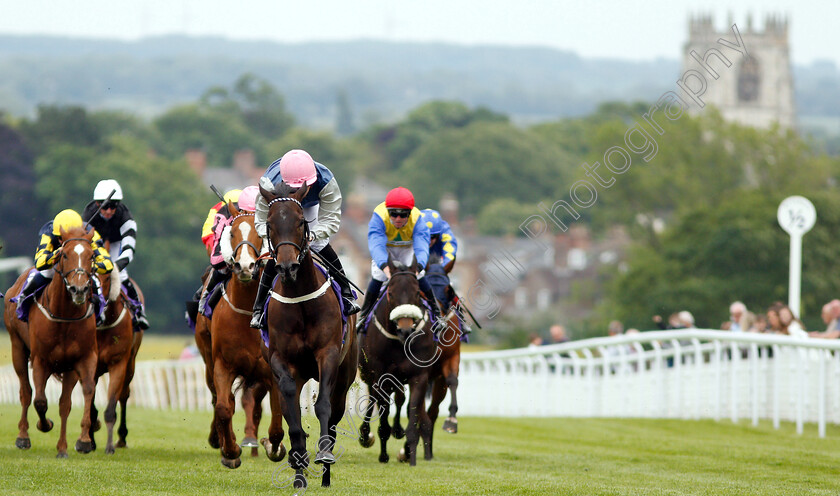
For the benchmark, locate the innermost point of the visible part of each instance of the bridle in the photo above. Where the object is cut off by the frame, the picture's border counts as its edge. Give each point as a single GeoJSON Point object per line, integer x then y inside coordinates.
{"type": "Point", "coordinates": [303, 247]}
{"type": "Point", "coordinates": [244, 242]}
{"type": "Point", "coordinates": [65, 275]}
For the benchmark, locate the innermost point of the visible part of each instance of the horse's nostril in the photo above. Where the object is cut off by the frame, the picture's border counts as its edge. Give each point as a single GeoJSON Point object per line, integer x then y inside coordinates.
{"type": "Point", "coordinates": [237, 267]}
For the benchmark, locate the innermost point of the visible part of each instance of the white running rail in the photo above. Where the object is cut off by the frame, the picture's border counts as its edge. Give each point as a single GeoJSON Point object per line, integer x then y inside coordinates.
{"type": "Point", "coordinates": [689, 374]}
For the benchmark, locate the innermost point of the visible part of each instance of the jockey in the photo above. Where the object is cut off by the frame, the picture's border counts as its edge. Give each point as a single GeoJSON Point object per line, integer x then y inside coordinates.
{"type": "Point", "coordinates": [46, 255]}
{"type": "Point", "coordinates": [321, 209]}
{"type": "Point", "coordinates": [443, 242]}
{"type": "Point", "coordinates": [116, 225]}
{"type": "Point", "coordinates": [217, 219]}
{"type": "Point", "coordinates": [396, 230]}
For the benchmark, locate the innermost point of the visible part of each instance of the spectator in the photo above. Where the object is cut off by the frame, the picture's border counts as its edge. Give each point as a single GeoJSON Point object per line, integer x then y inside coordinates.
{"type": "Point", "coordinates": [557, 333]}
{"type": "Point", "coordinates": [615, 328]}
{"type": "Point", "coordinates": [535, 340]}
{"type": "Point", "coordinates": [760, 324]}
{"type": "Point", "coordinates": [740, 319]}
{"type": "Point", "coordinates": [774, 323]}
{"type": "Point", "coordinates": [830, 314]}
{"type": "Point", "coordinates": [673, 322]}
{"type": "Point", "coordinates": [686, 319]}
{"type": "Point", "coordinates": [792, 324]}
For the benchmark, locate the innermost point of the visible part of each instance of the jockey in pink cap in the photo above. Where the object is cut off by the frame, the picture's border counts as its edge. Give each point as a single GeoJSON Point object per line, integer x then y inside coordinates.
{"type": "Point", "coordinates": [321, 209]}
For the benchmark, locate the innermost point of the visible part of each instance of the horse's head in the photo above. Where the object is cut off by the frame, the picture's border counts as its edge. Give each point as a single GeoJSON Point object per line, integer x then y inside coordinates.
{"type": "Point", "coordinates": [404, 298]}
{"type": "Point", "coordinates": [288, 230]}
{"type": "Point", "coordinates": [239, 244]}
{"type": "Point", "coordinates": [75, 263]}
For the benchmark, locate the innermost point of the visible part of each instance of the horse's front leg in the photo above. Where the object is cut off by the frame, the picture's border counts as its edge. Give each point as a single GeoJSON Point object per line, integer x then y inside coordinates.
{"type": "Point", "coordinates": [273, 444]}
{"type": "Point", "coordinates": [225, 404]}
{"type": "Point", "coordinates": [20, 359]}
{"type": "Point", "coordinates": [384, 430]}
{"type": "Point", "coordinates": [399, 400]}
{"type": "Point", "coordinates": [40, 374]}
{"type": "Point", "coordinates": [252, 406]}
{"type": "Point", "coordinates": [86, 370]}
{"type": "Point", "coordinates": [451, 424]}
{"type": "Point", "coordinates": [68, 382]}
{"type": "Point", "coordinates": [289, 392]}
{"type": "Point", "coordinates": [116, 373]}
{"type": "Point", "coordinates": [328, 370]}
{"type": "Point", "coordinates": [366, 438]}
{"type": "Point", "coordinates": [418, 419]}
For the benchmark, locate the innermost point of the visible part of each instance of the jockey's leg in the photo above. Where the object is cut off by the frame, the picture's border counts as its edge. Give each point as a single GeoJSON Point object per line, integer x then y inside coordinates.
{"type": "Point", "coordinates": [426, 288]}
{"type": "Point", "coordinates": [98, 301]}
{"type": "Point", "coordinates": [337, 273]}
{"type": "Point", "coordinates": [269, 272]}
{"type": "Point", "coordinates": [38, 280]}
{"type": "Point", "coordinates": [216, 276]}
{"type": "Point", "coordinates": [131, 291]}
{"type": "Point", "coordinates": [371, 295]}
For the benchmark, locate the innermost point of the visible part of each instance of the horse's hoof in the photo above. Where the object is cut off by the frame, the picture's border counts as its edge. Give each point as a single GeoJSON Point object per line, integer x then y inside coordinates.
{"type": "Point", "coordinates": [49, 427]}
{"type": "Point", "coordinates": [231, 463]}
{"type": "Point", "coordinates": [62, 455]}
{"type": "Point", "coordinates": [109, 450]}
{"type": "Point", "coordinates": [450, 426]}
{"type": "Point", "coordinates": [249, 442]}
{"type": "Point", "coordinates": [398, 432]}
{"type": "Point", "coordinates": [300, 481]}
{"type": "Point", "coordinates": [23, 443]}
{"type": "Point", "coordinates": [84, 447]}
{"type": "Point", "coordinates": [371, 438]}
{"type": "Point", "coordinates": [402, 457]}
{"type": "Point", "coordinates": [272, 454]}
{"type": "Point", "coordinates": [97, 426]}
{"type": "Point", "coordinates": [121, 444]}
{"type": "Point", "coordinates": [325, 457]}
{"type": "Point", "coordinates": [383, 458]}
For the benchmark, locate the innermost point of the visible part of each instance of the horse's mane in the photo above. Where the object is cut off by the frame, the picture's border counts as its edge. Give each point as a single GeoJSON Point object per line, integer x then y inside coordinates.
{"type": "Point", "coordinates": [74, 232]}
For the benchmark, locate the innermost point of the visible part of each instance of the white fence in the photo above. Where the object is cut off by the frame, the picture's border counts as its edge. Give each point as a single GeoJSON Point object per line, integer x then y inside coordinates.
{"type": "Point", "coordinates": [688, 374]}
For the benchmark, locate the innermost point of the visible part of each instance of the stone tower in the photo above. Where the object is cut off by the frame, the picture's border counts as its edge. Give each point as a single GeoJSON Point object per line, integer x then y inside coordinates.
{"type": "Point", "coordinates": [756, 89]}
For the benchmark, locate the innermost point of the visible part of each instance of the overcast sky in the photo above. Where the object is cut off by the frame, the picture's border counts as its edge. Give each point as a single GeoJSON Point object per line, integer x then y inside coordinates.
{"type": "Point", "coordinates": [625, 29]}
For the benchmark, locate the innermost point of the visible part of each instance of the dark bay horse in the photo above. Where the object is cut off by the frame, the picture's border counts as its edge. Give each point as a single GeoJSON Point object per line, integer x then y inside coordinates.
{"type": "Point", "coordinates": [397, 349]}
{"type": "Point", "coordinates": [236, 348]}
{"type": "Point", "coordinates": [60, 338]}
{"type": "Point", "coordinates": [305, 332]}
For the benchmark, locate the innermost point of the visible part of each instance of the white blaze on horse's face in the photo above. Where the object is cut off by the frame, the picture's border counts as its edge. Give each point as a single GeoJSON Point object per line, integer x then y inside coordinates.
{"type": "Point", "coordinates": [79, 249]}
{"type": "Point", "coordinates": [245, 261]}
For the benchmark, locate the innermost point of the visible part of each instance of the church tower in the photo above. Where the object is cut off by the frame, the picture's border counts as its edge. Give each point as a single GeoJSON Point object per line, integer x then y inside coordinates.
{"type": "Point", "coordinates": [755, 90]}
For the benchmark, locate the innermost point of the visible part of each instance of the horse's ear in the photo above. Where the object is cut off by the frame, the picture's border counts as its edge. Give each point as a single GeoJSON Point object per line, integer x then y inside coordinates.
{"type": "Point", "coordinates": [268, 195]}
{"type": "Point", "coordinates": [414, 267]}
{"type": "Point", "coordinates": [62, 232]}
{"type": "Point", "coordinates": [232, 209]}
{"type": "Point", "coordinates": [300, 194]}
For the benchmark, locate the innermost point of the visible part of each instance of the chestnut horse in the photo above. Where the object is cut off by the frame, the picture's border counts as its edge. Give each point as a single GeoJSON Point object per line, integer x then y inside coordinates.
{"type": "Point", "coordinates": [60, 338]}
{"type": "Point", "coordinates": [115, 341]}
{"type": "Point", "coordinates": [305, 332]}
{"type": "Point", "coordinates": [236, 347]}
{"type": "Point", "coordinates": [398, 348]}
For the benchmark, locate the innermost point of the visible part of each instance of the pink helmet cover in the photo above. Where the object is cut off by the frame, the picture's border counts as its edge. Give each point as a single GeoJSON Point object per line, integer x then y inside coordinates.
{"type": "Point", "coordinates": [297, 168]}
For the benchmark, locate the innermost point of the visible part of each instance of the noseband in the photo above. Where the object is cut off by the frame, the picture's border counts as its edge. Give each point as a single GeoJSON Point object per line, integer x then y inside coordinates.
{"type": "Point", "coordinates": [303, 247]}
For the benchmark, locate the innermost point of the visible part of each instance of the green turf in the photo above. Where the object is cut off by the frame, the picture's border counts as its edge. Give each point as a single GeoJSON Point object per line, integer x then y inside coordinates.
{"type": "Point", "coordinates": [168, 454]}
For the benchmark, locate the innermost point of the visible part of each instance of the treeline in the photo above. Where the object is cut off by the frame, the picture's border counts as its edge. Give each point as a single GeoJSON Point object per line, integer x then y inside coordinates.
{"type": "Point", "coordinates": [714, 186]}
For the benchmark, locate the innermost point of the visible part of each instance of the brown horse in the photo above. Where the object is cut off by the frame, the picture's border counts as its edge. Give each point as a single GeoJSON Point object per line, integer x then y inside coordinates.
{"type": "Point", "coordinates": [115, 342]}
{"type": "Point", "coordinates": [60, 338]}
{"type": "Point", "coordinates": [236, 348]}
{"type": "Point", "coordinates": [398, 348]}
{"type": "Point", "coordinates": [305, 332]}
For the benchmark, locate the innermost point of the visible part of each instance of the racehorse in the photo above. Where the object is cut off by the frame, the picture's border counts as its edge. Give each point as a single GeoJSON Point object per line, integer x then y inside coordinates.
{"type": "Point", "coordinates": [396, 353]}
{"type": "Point", "coordinates": [60, 338]}
{"type": "Point", "coordinates": [305, 332]}
{"type": "Point", "coordinates": [115, 343]}
{"type": "Point", "coordinates": [236, 348]}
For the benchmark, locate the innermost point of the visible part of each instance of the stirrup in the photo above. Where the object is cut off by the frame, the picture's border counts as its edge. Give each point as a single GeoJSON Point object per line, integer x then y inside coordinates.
{"type": "Point", "coordinates": [256, 319]}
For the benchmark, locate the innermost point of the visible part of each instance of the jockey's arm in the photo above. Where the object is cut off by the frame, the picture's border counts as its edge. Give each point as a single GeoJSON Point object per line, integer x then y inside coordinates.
{"type": "Point", "coordinates": [377, 241]}
{"type": "Point", "coordinates": [45, 254]}
{"type": "Point", "coordinates": [421, 239]}
{"type": "Point", "coordinates": [207, 228]}
{"type": "Point", "coordinates": [128, 233]}
{"type": "Point", "coordinates": [329, 211]}
{"type": "Point", "coordinates": [102, 260]}
{"type": "Point", "coordinates": [261, 212]}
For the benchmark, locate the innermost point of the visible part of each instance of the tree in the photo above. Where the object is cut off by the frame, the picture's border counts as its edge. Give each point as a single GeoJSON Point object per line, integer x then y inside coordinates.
{"type": "Point", "coordinates": [57, 124]}
{"type": "Point", "coordinates": [17, 188]}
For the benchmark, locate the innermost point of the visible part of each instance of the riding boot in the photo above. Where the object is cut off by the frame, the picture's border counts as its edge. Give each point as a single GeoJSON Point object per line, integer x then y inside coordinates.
{"type": "Point", "coordinates": [216, 276]}
{"type": "Point", "coordinates": [426, 288]}
{"type": "Point", "coordinates": [337, 273]}
{"type": "Point", "coordinates": [38, 281]}
{"type": "Point", "coordinates": [267, 279]}
{"type": "Point", "coordinates": [371, 295]}
{"type": "Point", "coordinates": [139, 311]}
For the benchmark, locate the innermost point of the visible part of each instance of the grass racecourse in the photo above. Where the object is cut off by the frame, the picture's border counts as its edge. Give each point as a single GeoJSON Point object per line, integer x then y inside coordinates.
{"type": "Point", "coordinates": [168, 454]}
